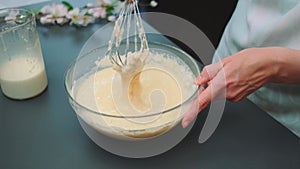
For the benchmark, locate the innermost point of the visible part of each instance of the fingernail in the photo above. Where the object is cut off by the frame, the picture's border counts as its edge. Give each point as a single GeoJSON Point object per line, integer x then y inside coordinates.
{"type": "Point", "coordinates": [198, 80]}
{"type": "Point", "coordinates": [185, 123]}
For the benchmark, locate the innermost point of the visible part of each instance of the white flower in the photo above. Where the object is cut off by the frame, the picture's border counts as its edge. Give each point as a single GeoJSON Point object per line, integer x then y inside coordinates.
{"type": "Point", "coordinates": [89, 5]}
{"type": "Point", "coordinates": [111, 18]}
{"type": "Point", "coordinates": [61, 21]}
{"type": "Point", "coordinates": [153, 3]}
{"type": "Point", "coordinates": [73, 15]}
{"type": "Point", "coordinates": [47, 19]}
{"type": "Point", "coordinates": [59, 14]}
{"type": "Point", "coordinates": [79, 18]}
{"type": "Point", "coordinates": [87, 20]}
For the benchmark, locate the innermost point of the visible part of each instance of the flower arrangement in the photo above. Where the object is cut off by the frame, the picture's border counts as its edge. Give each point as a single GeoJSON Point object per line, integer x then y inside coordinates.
{"type": "Point", "coordinates": [65, 13]}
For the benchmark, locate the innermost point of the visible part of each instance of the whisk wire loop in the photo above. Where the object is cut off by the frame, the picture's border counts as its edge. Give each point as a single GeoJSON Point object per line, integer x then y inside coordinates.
{"type": "Point", "coordinates": [129, 23]}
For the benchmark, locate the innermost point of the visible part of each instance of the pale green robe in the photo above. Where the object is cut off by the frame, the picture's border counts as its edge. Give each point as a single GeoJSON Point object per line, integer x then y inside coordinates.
{"type": "Point", "coordinates": [261, 23]}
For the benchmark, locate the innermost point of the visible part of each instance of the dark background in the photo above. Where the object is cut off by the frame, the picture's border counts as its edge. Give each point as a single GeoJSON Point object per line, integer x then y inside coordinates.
{"type": "Point", "coordinates": [210, 17]}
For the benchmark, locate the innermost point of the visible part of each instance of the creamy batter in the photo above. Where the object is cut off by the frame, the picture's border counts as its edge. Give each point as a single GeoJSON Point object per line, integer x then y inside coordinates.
{"type": "Point", "coordinates": [163, 83]}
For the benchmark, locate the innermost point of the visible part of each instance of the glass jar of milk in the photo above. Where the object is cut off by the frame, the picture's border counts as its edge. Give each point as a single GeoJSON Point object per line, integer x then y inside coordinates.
{"type": "Point", "coordinates": [22, 70]}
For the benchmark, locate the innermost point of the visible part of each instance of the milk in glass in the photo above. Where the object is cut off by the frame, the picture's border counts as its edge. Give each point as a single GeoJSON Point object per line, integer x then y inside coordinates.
{"type": "Point", "coordinates": [22, 70]}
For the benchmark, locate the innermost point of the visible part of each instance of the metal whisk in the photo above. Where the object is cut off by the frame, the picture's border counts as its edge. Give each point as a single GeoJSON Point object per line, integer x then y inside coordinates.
{"type": "Point", "coordinates": [129, 24]}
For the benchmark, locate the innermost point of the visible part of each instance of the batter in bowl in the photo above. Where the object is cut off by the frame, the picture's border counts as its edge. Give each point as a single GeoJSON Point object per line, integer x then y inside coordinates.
{"type": "Point", "coordinates": [163, 83]}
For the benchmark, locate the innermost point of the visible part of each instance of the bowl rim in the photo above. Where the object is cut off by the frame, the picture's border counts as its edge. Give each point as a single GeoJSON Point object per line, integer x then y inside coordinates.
{"type": "Point", "coordinates": [71, 98]}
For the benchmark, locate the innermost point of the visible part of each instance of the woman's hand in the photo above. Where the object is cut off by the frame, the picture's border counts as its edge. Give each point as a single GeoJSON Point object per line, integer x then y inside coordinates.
{"type": "Point", "coordinates": [235, 77]}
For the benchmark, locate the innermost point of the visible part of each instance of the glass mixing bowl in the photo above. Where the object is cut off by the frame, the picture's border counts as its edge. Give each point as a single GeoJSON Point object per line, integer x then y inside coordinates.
{"type": "Point", "coordinates": [86, 64]}
{"type": "Point", "coordinates": [139, 142]}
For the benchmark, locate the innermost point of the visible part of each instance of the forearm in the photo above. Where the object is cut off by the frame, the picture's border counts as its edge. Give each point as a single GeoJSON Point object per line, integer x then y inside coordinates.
{"type": "Point", "coordinates": [287, 65]}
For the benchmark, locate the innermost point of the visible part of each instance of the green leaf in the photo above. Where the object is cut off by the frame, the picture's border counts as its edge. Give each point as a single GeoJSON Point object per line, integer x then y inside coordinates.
{"type": "Point", "coordinates": [36, 11]}
{"type": "Point", "coordinates": [67, 4]}
{"type": "Point", "coordinates": [109, 9]}
{"type": "Point", "coordinates": [88, 14]}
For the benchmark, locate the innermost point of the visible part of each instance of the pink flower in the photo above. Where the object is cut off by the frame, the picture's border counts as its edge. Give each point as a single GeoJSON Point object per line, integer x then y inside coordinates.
{"type": "Point", "coordinates": [46, 9]}
{"type": "Point", "coordinates": [56, 10]}
{"type": "Point", "coordinates": [11, 16]}
{"type": "Point", "coordinates": [54, 14]}
{"type": "Point", "coordinates": [98, 12]}
{"type": "Point", "coordinates": [59, 10]}
{"type": "Point", "coordinates": [59, 14]}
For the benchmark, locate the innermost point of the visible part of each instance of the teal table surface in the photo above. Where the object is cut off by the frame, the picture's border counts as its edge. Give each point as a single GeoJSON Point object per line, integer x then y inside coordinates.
{"type": "Point", "coordinates": [44, 132]}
